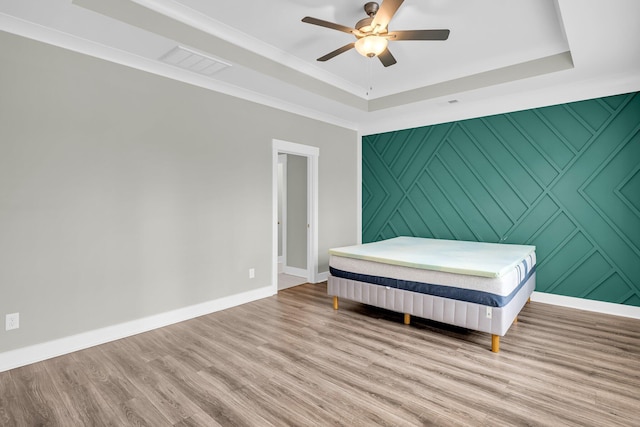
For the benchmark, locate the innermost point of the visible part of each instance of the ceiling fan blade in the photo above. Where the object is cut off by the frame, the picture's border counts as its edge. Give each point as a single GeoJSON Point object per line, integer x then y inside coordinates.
{"type": "Point", "coordinates": [388, 8]}
{"type": "Point", "coordinates": [386, 58]}
{"type": "Point", "coordinates": [419, 35]}
{"type": "Point", "coordinates": [336, 52]}
{"type": "Point", "coordinates": [327, 24]}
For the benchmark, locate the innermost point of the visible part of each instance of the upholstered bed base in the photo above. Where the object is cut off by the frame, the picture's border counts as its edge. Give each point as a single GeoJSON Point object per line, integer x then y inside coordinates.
{"type": "Point", "coordinates": [493, 320]}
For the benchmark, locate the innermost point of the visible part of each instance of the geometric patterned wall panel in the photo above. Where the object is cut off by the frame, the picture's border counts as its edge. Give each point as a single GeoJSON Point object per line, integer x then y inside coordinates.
{"type": "Point", "coordinates": [564, 178]}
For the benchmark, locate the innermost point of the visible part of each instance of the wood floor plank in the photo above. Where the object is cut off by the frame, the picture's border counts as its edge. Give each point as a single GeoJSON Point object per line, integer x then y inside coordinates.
{"type": "Point", "coordinates": [38, 395]}
{"type": "Point", "coordinates": [292, 360]}
{"type": "Point", "coordinates": [11, 411]}
{"type": "Point", "coordinates": [198, 420]}
{"type": "Point", "coordinates": [213, 397]}
{"type": "Point", "coordinates": [141, 412]}
{"type": "Point", "coordinates": [84, 405]}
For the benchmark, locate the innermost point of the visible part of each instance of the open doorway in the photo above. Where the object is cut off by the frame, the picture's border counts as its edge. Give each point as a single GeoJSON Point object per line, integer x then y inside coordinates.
{"type": "Point", "coordinates": [295, 197]}
{"type": "Point", "coordinates": [292, 220]}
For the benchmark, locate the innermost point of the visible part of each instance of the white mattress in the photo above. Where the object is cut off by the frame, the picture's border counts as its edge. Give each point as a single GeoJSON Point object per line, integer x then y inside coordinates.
{"type": "Point", "coordinates": [491, 260]}
{"type": "Point", "coordinates": [502, 285]}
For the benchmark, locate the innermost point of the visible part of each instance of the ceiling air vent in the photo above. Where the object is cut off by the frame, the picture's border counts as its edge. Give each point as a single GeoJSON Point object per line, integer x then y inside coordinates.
{"type": "Point", "coordinates": [193, 61]}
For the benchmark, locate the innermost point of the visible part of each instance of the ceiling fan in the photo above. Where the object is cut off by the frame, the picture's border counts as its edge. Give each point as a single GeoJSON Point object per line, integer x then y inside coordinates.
{"type": "Point", "coordinates": [372, 33]}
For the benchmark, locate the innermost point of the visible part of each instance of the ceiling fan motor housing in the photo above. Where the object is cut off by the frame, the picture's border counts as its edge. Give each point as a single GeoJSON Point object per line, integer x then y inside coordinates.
{"type": "Point", "coordinates": [371, 8]}
{"type": "Point", "coordinates": [364, 25]}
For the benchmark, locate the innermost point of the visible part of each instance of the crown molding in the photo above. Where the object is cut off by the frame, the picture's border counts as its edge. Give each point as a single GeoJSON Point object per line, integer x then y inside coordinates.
{"type": "Point", "coordinates": [83, 46]}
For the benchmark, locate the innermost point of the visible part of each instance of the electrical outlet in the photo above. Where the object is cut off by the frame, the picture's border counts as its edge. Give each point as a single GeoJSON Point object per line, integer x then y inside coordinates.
{"type": "Point", "coordinates": [252, 273]}
{"type": "Point", "coordinates": [12, 321]}
{"type": "Point", "coordinates": [489, 312]}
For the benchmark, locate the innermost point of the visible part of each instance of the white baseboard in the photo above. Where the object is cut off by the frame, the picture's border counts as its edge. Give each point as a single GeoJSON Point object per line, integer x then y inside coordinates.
{"type": "Point", "coordinates": [587, 304]}
{"type": "Point", "coordinates": [38, 352]}
{"type": "Point", "coordinates": [321, 277]}
{"type": "Point", "coordinates": [294, 271]}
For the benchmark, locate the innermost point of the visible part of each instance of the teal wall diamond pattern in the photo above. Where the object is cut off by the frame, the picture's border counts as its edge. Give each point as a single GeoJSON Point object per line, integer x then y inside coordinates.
{"type": "Point", "coordinates": [564, 178]}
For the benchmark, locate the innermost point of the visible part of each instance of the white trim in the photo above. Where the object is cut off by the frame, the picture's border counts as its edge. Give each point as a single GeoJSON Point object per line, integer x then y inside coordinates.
{"type": "Point", "coordinates": [39, 352]}
{"type": "Point", "coordinates": [294, 271]}
{"type": "Point", "coordinates": [587, 304]}
{"type": "Point", "coordinates": [208, 24]}
{"type": "Point", "coordinates": [312, 153]}
{"type": "Point", "coordinates": [322, 277]}
{"type": "Point", "coordinates": [296, 149]}
{"type": "Point", "coordinates": [312, 217]}
{"type": "Point", "coordinates": [505, 98]}
{"type": "Point", "coordinates": [77, 44]}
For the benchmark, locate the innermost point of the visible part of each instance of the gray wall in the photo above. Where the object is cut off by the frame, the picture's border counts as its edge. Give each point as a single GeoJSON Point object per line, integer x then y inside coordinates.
{"type": "Point", "coordinates": [124, 194]}
{"type": "Point", "coordinates": [297, 211]}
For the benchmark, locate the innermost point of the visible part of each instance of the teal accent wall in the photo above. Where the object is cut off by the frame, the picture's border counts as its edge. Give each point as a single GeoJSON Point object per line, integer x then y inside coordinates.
{"type": "Point", "coordinates": [564, 178]}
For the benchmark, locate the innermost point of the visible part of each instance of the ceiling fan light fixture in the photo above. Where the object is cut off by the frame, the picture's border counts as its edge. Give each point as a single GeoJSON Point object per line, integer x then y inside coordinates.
{"type": "Point", "coordinates": [372, 33]}
{"type": "Point", "coordinates": [371, 45]}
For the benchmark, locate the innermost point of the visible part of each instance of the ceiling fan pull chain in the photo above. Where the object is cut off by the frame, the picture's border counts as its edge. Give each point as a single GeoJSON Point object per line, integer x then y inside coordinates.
{"type": "Point", "coordinates": [370, 76]}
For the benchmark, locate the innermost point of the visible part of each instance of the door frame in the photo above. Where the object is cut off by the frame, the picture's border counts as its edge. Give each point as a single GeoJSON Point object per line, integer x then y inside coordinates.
{"type": "Point", "coordinates": [311, 153]}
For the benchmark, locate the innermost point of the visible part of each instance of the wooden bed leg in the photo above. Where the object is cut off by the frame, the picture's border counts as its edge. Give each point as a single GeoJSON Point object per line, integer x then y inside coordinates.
{"type": "Point", "coordinates": [515, 320]}
{"type": "Point", "coordinates": [407, 318]}
{"type": "Point", "coordinates": [335, 302]}
{"type": "Point", "coordinates": [528, 300]}
{"type": "Point", "coordinates": [495, 343]}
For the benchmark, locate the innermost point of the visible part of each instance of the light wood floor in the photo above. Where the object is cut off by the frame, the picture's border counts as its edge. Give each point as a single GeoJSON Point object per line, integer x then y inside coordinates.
{"type": "Point", "coordinates": [291, 360]}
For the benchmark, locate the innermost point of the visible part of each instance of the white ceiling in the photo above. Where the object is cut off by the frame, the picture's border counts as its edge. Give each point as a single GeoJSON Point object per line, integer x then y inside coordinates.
{"type": "Point", "coordinates": [501, 55]}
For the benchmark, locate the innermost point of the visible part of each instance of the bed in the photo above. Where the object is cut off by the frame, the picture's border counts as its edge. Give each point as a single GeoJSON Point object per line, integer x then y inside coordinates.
{"type": "Point", "coordinates": [473, 285]}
